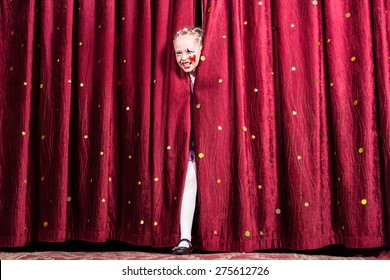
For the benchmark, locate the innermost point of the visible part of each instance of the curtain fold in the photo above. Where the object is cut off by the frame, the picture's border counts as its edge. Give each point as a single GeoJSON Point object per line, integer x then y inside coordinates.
{"type": "Point", "coordinates": [290, 117]}
{"type": "Point", "coordinates": [299, 164]}
{"type": "Point", "coordinates": [381, 49]}
{"type": "Point", "coordinates": [355, 121]}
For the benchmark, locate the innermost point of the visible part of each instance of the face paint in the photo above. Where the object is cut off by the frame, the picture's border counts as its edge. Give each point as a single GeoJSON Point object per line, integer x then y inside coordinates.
{"type": "Point", "coordinates": [192, 58]}
{"type": "Point", "coordinates": [187, 51]}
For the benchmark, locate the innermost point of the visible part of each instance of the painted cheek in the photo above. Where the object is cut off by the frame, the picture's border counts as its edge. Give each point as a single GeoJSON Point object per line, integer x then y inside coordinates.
{"type": "Point", "coordinates": [192, 58]}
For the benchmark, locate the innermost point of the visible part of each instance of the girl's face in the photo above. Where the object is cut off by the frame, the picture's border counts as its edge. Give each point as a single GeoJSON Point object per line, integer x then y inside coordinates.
{"type": "Point", "coordinates": [187, 51]}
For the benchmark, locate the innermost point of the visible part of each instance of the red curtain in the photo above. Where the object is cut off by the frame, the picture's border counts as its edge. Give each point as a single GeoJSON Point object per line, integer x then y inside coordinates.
{"type": "Point", "coordinates": [290, 110]}
{"type": "Point", "coordinates": [294, 124]}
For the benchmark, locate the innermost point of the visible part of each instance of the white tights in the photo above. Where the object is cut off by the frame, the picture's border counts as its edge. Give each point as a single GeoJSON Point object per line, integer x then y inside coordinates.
{"type": "Point", "coordinates": [188, 203]}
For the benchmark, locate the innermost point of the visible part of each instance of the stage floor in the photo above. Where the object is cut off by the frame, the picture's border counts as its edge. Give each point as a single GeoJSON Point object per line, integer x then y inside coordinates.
{"type": "Point", "coordinates": [59, 255]}
{"type": "Point", "coordinates": [114, 250]}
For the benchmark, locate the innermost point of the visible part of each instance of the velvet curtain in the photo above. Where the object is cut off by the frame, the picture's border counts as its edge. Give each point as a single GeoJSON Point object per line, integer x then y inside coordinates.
{"type": "Point", "coordinates": [294, 124]}
{"type": "Point", "coordinates": [290, 117]}
{"type": "Point", "coordinates": [85, 88]}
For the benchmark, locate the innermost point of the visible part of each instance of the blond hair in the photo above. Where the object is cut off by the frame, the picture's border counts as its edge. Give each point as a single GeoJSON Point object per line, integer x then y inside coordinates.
{"type": "Point", "coordinates": [197, 32]}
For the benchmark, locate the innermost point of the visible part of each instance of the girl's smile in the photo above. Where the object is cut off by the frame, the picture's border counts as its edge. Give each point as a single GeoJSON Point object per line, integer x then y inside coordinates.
{"type": "Point", "coordinates": [187, 52]}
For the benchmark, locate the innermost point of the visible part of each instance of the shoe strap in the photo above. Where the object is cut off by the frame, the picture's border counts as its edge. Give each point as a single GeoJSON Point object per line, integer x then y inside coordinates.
{"type": "Point", "coordinates": [186, 240]}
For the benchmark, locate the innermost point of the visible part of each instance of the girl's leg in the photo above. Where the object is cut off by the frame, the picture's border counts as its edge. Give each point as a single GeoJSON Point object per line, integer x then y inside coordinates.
{"type": "Point", "coordinates": [188, 204]}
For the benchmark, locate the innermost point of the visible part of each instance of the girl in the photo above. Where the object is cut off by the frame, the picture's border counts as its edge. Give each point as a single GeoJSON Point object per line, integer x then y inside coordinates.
{"type": "Point", "coordinates": [188, 46]}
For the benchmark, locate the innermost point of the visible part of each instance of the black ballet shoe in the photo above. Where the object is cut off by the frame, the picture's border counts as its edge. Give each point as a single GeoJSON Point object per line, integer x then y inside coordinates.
{"type": "Point", "coordinates": [183, 250]}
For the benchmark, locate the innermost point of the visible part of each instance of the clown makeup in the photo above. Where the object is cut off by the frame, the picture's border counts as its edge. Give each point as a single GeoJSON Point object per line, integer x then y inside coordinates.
{"type": "Point", "coordinates": [192, 58]}
{"type": "Point", "coordinates": [187, 50]}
